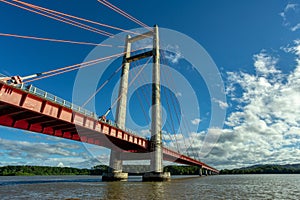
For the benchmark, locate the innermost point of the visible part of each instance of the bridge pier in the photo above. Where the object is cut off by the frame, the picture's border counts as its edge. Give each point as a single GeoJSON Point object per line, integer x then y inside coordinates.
{"type": "Point", "coordinates": [205, 172]}
{"type": "Point", "coordinates": [115, 168]}
{"type": "Point", "coordinates": [200, 171]}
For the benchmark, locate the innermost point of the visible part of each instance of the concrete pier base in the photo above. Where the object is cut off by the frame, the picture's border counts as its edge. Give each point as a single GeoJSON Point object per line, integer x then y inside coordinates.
{"type": "Point", "coordinates": [157, 176]}
{"type": "Point", "coordinates": [115, 176]}
{"type": "Point", "coordinates": [200, 172]}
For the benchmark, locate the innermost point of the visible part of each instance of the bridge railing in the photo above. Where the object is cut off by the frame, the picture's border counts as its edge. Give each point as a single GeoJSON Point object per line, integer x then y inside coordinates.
{"type": "Point", "coordinates": [50, 97]}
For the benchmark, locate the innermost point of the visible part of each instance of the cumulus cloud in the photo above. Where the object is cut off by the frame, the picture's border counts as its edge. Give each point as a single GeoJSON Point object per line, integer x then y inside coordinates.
{"type": "Point", "coordinates": [48, 154]}
{"type": "Point", "coordinates": [265, 128]}
{"type": "Point", "coordinates": [37, 150]}
{"type": "Point", "coordinates": [60, 164]}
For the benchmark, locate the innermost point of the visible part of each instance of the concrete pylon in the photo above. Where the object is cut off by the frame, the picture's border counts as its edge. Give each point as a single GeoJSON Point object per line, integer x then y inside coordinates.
{"type": "Point", "coordinates": [156, 165]}
{"type": "Point", "coordinates": [200, 171]}
{"type": "Point", "coordinates": [206, 172]}
{"type": "Point", "coordinates": [115, 172]}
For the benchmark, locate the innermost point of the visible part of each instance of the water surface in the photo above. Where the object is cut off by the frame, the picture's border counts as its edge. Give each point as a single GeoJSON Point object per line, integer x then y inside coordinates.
{"type": "Point", "coordinates": [211, 187]}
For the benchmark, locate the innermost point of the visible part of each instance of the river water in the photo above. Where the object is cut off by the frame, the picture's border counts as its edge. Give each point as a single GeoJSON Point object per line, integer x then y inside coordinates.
{"type": "Point", "coordinates": [211, 187]}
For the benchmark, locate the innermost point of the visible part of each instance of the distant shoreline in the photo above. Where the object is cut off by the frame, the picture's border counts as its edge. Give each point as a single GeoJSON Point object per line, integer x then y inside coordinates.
{"type": "Point", "coordinates": [135, 170]}
{"type": "Point", "coordinates": [264, 169]}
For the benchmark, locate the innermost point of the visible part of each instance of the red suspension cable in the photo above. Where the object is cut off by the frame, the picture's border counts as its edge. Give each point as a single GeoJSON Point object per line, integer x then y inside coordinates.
{"type": "Point", "coordinates": [102, 85]}
{"type": "Point", "coordinates": [78, 18]}
{"type": "Point", "coordinates": [137, 74]}
{"type": "Point", "coordinates": [53, 40]}
{"type": "Point", "coordinates": [128, 16]}
{"type": "Point", "coordinates": [61, 19]}
{"type": "Point", "coordinates": [73, 67]}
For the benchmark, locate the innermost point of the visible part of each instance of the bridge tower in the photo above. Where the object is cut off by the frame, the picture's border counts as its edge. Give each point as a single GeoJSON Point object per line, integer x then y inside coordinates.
{"type": "Point", "coordinates": [115, 172]}
{"type": "Point", "coordinates": [156, 165]}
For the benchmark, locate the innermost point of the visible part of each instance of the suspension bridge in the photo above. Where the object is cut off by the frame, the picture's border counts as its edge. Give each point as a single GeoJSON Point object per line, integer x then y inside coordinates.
{"type": "Point", "coordinates": [24, 106]}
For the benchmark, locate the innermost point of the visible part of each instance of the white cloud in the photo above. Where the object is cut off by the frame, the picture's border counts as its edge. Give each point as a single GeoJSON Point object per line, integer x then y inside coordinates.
{"type": "Point", "coordinates": [222, 104]}
{"type": "Point", "coordinates": [266, 126]}
{"type": "Point", "coordinates": [290, 6]}
{"type": "Point", "coordinates": [145, 133]}
{"type": "Point", "coordinates": [296, 27]}
{"type": "Point", "coordinates": [49, 154]}
{"type": "Point", "coordinates": [196, 121]}
{"type": "Point", "coordinates": [60, 164]}
{"type": "Point", "coordinates": [290, 16]}
{"type": "Point", "coordinates": [173, 54]}
{"type": "Point", "coordinates": [264, 64]}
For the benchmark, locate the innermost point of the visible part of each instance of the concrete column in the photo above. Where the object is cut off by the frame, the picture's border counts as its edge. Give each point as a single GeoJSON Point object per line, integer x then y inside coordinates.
{"type": "Point", "coordinates": [156, 165]}
{"type": "Point", "coordinates": [205, 172]}
{"type": "Point", "coordinates": [116, 164]}
{"type": "Point", "coordinates": [123, 89]}
{"type": "Point", "coordinates": [156, 137]}
{"type": "Point", "coordinates": [200, 171]}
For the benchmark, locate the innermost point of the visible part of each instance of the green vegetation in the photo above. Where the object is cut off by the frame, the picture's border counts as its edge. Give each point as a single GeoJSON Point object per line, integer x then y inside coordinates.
{"type": "Point", "coordinates": [140, 169]}
{"type": "Point", "coordinates": [38, 170]}
{"type": "Point", "coordinates": [265, 169]}
{"type": "Point", "coordinates": [96, 170]}
{"type": "Point", "coordinates": [182, 170]}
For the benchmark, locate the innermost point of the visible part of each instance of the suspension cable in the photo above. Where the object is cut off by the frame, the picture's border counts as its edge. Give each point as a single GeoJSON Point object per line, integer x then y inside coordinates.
{"type": "Point", "coordinates": [140, 101]}
{"type": "Point", "coordinates": [74, 67]}
{"type": "Point", "coordinates": [167, 128]}
{"type": "Point", "coordinates": [170, 111]}
{"type": "Point", "coordinates": [128, 16]}
{"type": "Point", "coordinates": [78, 18]}
{"type": "Point", "coordinates": [174, 107]}
{"type": "Point", "coordinates": [102, 85]}
{"type": "Point", "coordinates": [53, 40]}
{"type": "Point", "coordinates": [62, 19]}
{"type": "Point", "coordinates": [134, 78]}
{"type": "Point", "coordinates": [142, 88]}
{"type": "Point", "coordinates": [148, 104]}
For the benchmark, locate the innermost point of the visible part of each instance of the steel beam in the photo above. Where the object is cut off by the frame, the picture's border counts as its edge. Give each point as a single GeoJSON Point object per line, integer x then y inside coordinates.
{"type": "Point", "coordinates": [141, 37]}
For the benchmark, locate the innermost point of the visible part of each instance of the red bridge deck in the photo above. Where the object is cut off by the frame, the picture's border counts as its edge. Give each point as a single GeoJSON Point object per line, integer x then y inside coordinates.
{"type": "Point", "coordinates": [29, 108]}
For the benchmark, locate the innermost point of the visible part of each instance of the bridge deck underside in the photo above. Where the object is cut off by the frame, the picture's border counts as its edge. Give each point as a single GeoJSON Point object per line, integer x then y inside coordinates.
{"type": "Point", "coordinates": [21, 118]}
{"type": "Point", "coordinates": [22, 110]}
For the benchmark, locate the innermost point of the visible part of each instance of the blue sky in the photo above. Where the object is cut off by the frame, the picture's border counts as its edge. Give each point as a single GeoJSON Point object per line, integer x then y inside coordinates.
{"type": "Point", "coordinates": [254, 44]}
